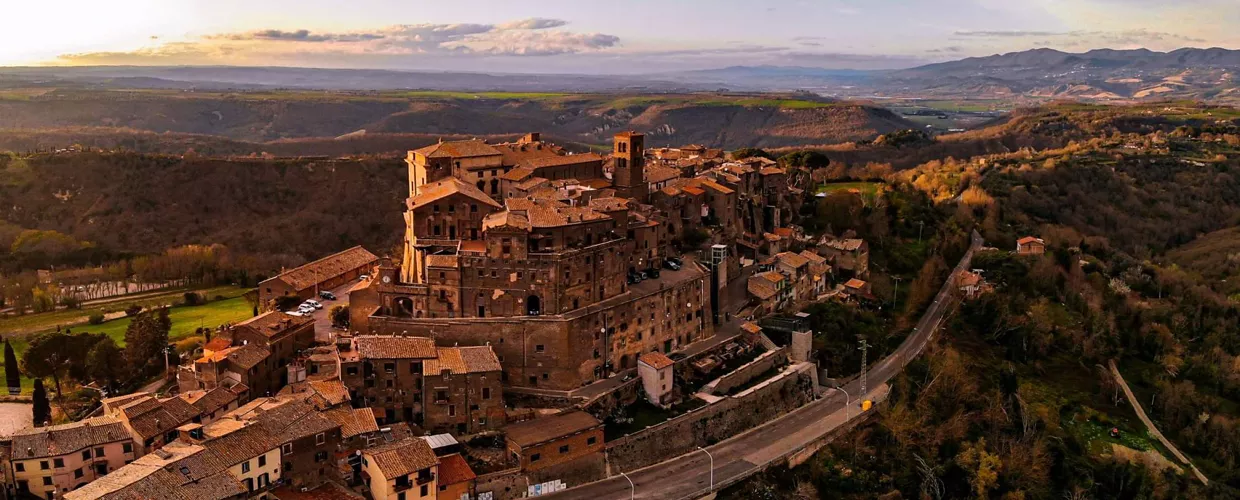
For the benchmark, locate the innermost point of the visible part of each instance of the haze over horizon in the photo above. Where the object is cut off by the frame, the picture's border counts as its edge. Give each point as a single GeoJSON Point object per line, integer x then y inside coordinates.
{"type": "Point", "coordinates": [563, 36]}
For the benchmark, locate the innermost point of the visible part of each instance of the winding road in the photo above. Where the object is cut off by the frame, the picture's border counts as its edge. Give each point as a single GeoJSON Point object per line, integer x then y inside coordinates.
{"type": "Point", "coordinates": [690, 475]}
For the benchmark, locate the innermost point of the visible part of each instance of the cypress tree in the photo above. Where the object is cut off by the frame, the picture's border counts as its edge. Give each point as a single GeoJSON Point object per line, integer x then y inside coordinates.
{"type": "Point", "coordinates": [42, 408]}
{"type": "Point", "coordinates": [12, 375]}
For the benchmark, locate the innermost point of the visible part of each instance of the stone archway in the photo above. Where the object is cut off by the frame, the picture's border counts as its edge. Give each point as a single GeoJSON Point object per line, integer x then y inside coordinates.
{"type": "Point", "coordinates": [402, 307]}
{"type": "Point", "coordinates": [533, 305]}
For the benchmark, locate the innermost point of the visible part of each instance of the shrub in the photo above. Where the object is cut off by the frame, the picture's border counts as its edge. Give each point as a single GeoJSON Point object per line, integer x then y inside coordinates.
{"type": "Point", "coordinates": [133, 310]}
{"type": "Point", "coordinates": [96, 319]}
{"type": "Point", "coordinates": [340, 316]}
{"type": "Point", "coordinates": [218, 297]}
{"type": "Point", "coordinates": [192, 299]}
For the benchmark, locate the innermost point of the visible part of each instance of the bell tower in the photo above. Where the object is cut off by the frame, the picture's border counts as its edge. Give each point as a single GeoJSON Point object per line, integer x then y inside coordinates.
{"type": "Point", "coordinates": [630, 172]}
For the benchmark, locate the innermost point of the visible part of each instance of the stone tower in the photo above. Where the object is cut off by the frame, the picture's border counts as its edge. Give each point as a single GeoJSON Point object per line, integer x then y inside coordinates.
{"type": "Point", "coordinates": [630, 174]}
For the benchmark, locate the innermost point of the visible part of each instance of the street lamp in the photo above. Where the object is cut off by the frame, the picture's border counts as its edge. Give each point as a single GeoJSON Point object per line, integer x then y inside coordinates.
{"type": "Point", "coordinates": [712, 467]}
{"type": "Point", "coordinates": [847, 402]}
{"type": "Point", "coordinates": [632, 487]}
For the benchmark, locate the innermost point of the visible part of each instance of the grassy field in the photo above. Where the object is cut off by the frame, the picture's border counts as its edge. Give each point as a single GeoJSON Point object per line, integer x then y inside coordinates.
{"type": "Point", "coordinates": [185, 319]}
{"type": "Point", "coordinates": [41, 322]}
{"type": "Point", "coordinates": [866, 188]}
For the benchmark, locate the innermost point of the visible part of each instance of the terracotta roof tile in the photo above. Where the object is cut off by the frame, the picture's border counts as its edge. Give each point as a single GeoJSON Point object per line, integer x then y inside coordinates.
{"type": "Point", "coordinates": [56, 440]}
{"type": "Point", "coordinates": [353, 421]}
{"type": "Point", "coordinates": [402, 458]}
{"type": "Point", "coordinates": [540, 430]}
{"type": "Point", "coordinates": [462, 360]}
{"type": "Point", "coordinates": [561, 160]}
{"type": "Point", "coordinates": [443, 188]}
{"type": "Point", "coordinates": [794, 260]}
{"type": "Point", "coordinates": [458, 149]}
{"type": "Point", "coordinates": [306, 276]}
{"type": "Point", "coordinates": [453, 469]}
{"type": "Point", "coordinates": [517, 174]}
{"type": "Point", "coordinates": [656, 360]}
{"type": "Point", "coordinates": [375, 347]}
{"type": "Point", "coordinates": [659, 173]}
{"type": "Point", "coordinates": [274, 323]}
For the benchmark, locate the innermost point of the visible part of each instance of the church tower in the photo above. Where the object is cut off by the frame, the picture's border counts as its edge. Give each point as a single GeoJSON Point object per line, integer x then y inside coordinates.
{"type": "Point", "coordinates": [630, 173]}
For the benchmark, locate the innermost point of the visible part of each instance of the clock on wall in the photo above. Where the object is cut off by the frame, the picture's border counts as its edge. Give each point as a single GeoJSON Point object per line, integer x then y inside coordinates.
{"type": "Point", "coordinates": [387, 279]}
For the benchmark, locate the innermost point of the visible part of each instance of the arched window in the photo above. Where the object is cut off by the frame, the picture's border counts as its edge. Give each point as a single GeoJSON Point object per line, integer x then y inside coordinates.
{"type": "Point", "coordinates": [533, 305]}
{"type": "Point", "coordinates": [403, 307]}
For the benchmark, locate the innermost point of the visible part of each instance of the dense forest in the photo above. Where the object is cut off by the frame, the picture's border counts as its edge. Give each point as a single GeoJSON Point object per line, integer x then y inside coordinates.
{"type": "Point", "coordinates": [1139, 211]}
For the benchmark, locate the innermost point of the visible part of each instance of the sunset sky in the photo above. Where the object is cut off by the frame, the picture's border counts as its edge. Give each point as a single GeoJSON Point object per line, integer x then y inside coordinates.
{"type": "Point", "coordinates": [589, 36]}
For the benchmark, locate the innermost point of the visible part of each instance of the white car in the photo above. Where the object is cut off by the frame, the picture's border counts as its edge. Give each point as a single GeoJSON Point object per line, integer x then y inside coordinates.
{"type": "Point", "coordinates": [313, 303]}
{"type": "Point", "coordinates": [295, 313]}
{"type": "Point", "coordinates": [305, 309]}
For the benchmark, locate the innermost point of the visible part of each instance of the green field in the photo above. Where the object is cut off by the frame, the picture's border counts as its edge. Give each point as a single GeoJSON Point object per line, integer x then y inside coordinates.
{"type": "Point", "coordinates": [185, 319]}
{"type": "Point", "coordinates": [34, 323]}
{"type": "Point", "coordinates": [866, 188]}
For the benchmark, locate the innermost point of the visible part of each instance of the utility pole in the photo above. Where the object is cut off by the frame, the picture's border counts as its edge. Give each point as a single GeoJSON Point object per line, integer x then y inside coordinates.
{"type": "Point", "coordinates": [865, 346]}
{"type": "Point", "coordinates": [920, 226]}
{"type": "Point", "coordinates": [895, 292]}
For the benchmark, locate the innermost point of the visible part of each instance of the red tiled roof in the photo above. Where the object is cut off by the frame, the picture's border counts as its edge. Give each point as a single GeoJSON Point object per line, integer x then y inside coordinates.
{"type": "Point", "coordinates": [462, 360]}
{"type": "Point", "coordinates": [561, 160]}
{"type": "Point", "coordinates": [403, 457]}
{"type": "Point", "coordinates": [326, 268]}
{"type": "Point", "coordinates": [458, 149]}
{"type": "Point", "coordinates": [453, 469]}
{"type": "Point", "coordinates": [444, 188]}
{"type": "Point", "coordinates": [656, 360]}
{"type": "Point", "coordinates": [540, 430]}
{"type": "Point", "coordinates": [375, 347]}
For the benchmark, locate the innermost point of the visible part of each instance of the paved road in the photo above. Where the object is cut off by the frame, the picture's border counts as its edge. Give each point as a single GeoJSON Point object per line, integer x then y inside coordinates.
{"type": "Point", "coordinates": [323, 331]}
{"type": "Point", "coordinates": [689, 475]}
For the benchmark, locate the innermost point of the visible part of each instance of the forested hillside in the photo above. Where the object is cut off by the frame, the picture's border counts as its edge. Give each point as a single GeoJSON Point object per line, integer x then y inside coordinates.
{"type": "Point", "coordinates": [1139, 213]}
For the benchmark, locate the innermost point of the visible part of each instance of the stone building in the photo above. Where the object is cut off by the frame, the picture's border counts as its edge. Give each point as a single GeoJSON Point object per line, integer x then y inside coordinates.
{"type": "Point", "coordinates": [658, 377]}
{"type": "Point", "coordinates": [326, 273]}
{"type": "Point", "coordinates": [408, 379]}
{"type": "Point", "coordinates": [256, 361]}
{"type": "Point", "coordinates": [847, 254]}
{"type": "Point", "coordinates": [527, 274]}
{"type": "Point", "coordinates": [402, 470]}
{"type": "Point", "coordinates": [1030, 245]}
{"type": "Point", "coordinates": [48, 462]}
{"type": "Point", "coordinates": [551, 441]}
{"type": "Point", "coordinates": [464, 391]}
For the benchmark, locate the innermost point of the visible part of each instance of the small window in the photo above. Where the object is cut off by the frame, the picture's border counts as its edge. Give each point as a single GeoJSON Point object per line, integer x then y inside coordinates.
{"type": "Point", "coordinates": [85, 455]}
{"type": "Point", "coordinates": [425, 491]}
{"type": "Point", "coordinates": [98, 452]}
{"type": "Point", "coordinates": [451, 209]}
{"type": "Point", "coordinates": [535, 457]}
{"type": "Point", "coordinates": [591, 440]}
{"type": "Point", "coordinates": [539, 348]}
{"type": "Point", "coordinates": [287, 449]}
{"type": "Point", "coordinates": [320, 438]}
{"type": "Point", "coordinates": [564, 449]}
{"type": "Point", "coordinates": [245, 466]}
{"type": "Point", "coordinates": [486, 393]}
{"type": "Point", "coordinates": [59, 462]}
{"type": "Point", "coordinates": [473, 208]}
{"type": "Point", "coordinates": [47, 480]}
{"type": "Point", "coordinates": [262, 460]}
{"type": "Point", "coordinates": [451, 410]}
{"type": "Point", "coordinates": [19, 467]}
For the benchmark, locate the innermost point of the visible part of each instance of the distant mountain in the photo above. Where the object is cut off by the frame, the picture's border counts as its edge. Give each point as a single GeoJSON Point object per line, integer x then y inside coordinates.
{"type": "Point", "coordinates": [1103, 74]}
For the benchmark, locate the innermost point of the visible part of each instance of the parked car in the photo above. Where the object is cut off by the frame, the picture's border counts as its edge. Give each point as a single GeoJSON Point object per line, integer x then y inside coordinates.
{"type": "Point", "coordinates": [326, 295]}
{"type": "Point", "coordinates": [652, 272]}
{"type": "Point", "coordinates": [297, 313]}
{"type": "Point", "coordinates": [634, 277]}
{"type": "Point", "coordinates": [673, 263]}
{"type": "Point", "coordinates": [363, 277]}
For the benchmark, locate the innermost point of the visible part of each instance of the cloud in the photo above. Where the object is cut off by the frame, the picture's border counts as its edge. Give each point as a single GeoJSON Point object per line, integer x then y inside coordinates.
{"type": "Point", "coordinates": [533, 23]}
{"type": "Point", "coordinates": [524, 37]}
{"type": "Point", "coordinates": [297, 36]}
{"type": "Point", "coordinates": [953, 49]}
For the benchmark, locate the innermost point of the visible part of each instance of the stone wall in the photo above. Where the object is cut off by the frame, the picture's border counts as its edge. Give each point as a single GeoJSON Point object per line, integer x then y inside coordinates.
{"type": "Point", "coordinates": [711, 424]}
{"type": "Point", "coordinates": [747, 372]}
{"type": "Point", "coordinates": [503, 485]}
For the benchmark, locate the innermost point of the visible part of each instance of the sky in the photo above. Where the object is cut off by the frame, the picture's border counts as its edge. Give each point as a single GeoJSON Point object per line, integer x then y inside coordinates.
{"type": "Point", "coordinates": [591, 36]}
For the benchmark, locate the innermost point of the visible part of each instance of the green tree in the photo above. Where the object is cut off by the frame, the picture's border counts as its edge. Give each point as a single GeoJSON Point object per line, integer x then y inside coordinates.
{"type": "Point", "coordinates": [47, 356]}
{"type": "Point", "coordinates": [145, 339]}
{"type": "Point", "coordinates": [41, 408]}
{"type": "Point", "coordinates": [340, 316]}
{"type": "Point", "coordinates": [743, 153]}
{"type": "Point", "coordinates": [12, 374]}
{"type": "Point", "coordinates": [105, 364]}
{"type": "Point", "coordinates": [812, 160]}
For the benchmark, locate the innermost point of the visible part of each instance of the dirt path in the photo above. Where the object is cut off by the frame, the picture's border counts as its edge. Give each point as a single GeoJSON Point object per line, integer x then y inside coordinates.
{"type": "Point", "coordinates": [1136, 406]}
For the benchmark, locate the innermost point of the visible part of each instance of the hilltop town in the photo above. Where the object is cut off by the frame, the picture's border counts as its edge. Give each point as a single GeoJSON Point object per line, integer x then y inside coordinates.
{"type": "Point", "coordinates": [535, 296]}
